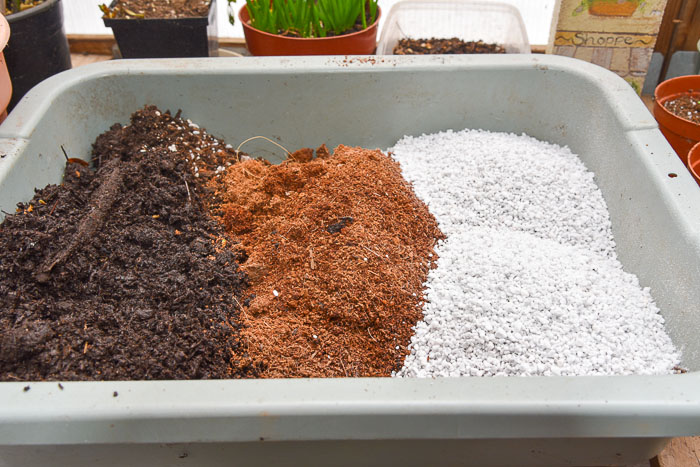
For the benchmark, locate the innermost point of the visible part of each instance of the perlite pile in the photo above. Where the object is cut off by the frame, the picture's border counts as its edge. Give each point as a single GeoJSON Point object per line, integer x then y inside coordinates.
{"type": "Point", "coordinates": [527, 281]}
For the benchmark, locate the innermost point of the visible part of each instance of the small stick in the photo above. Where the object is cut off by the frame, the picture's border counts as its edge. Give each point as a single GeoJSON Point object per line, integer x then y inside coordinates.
{"type": "Point", "coordinates": [373, 252]}
{"type": "Point", "coordinates": [343, 365]}
{"type": "Point", "coordinates": [101, 202]}
{"type": "Point", "coordinates": [188, 190]}
{"type": "Point", "coordinates": [250, 173]}
{"type": "Point", "coordinates": [370, 335]}
{"type": "Point", "coordinates": [311, 256]}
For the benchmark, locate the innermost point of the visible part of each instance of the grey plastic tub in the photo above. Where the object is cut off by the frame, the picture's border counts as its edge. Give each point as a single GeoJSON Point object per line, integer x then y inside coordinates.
{"type": "Point", "coordinates": [471, 421]}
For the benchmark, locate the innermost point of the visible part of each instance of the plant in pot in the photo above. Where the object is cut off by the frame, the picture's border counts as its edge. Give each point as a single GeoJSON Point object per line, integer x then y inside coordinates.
{"type": "Point", "coordinates": [163, 28]}
{"type": "Point", "coordinates": [677, 111]}
{"type": "Point", "coordinates": [309, 27]}
{"type": "Point", "coordinates": [38, 47]}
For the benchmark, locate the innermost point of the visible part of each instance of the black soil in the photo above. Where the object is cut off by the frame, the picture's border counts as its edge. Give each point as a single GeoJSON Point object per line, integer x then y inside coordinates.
{"type": "Point", "coordinates": [119, 273]}
{"type": "Point", "coordinates": [445, 46]}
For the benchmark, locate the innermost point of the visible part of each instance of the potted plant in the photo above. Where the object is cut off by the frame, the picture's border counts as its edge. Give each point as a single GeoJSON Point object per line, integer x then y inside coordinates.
{"type": "Point", "coordinates": [677, 111]}
{"type": "Point", "coordinates": [163, 29]}
{"type": "Point", "coordinates": [608, 7]}
{"type": "Point", "coordinates": [38, 47]}
{"type": "Point", "coordinates": [308, 27]}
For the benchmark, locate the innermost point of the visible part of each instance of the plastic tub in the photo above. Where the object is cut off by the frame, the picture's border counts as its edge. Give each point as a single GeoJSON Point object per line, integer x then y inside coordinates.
{"type": "Point", "coordinates": [373, 421]}
{"type": "Point", "coordinates": [470, 21]}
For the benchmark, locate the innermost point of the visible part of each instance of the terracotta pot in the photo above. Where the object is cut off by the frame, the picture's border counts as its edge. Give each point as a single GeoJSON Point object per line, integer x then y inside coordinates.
{"type": "Point", "coordinates": [694, 162]}
{"type": "Point", "coordinates": [5, 83]}
{"type": "Point", "coordinates": [608, 8]}
{"type": "Point", "coordinates": [682, 134]}
{"type": "Point", "coordinates": [263, 43]}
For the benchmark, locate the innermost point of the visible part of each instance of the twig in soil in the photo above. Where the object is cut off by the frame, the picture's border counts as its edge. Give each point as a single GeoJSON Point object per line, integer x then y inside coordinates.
{"type": "Point", "coordinates": [343, 365]}
{"type": "Point", "coordinates": [238, 149]}
{"type": "Point", "coordinates": [311, 258]}
{"type": "Point", "coordinates": [103, 198]}
{"type": "Point", "coordinates": [189, 198]}
{"type": "Point", "coordinates": [373, 252]}
{"type": "Point", "coordinates": [240, 307]}
{"type": "Point", "coordinates": [370, 335]}
{"type": "Point", "coordinates": [73, 160]}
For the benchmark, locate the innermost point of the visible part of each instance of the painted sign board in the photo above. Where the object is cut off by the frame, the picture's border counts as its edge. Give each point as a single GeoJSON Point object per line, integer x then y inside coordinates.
{"type": "Point", "coordinates": [616, 34]}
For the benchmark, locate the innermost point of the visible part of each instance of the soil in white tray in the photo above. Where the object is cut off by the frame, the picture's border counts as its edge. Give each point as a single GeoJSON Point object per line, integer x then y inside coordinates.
{"type": "Point", "coordinates": [527, 281]}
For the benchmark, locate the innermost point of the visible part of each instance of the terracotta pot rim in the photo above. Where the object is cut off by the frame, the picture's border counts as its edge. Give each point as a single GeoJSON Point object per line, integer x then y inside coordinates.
{"type": "Point", "coordinates": [4, 32]}
{"type": "Point", "coordinates": [670, 115]}
{"type": "Point", "coordinates": [673, 122]}
{"type": "Point", "coordinates": [694, 151]}
{"type": "Point", "coordinates": [244, 23]}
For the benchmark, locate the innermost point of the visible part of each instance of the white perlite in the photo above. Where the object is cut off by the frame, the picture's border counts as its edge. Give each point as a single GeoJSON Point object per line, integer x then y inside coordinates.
{"type": "Point", "coordinates": [527, 281]}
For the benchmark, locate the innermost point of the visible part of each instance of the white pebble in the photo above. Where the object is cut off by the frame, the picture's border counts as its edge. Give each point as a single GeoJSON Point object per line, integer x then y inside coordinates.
{"type": "Point", "coordinates": [527, 281]}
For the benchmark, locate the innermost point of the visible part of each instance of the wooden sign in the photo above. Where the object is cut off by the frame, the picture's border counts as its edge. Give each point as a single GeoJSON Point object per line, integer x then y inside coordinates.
{"type": "Point", "coordinates": [616, 34]}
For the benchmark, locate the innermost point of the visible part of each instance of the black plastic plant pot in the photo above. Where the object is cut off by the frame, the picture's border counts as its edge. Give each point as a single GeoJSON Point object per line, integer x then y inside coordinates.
{"type": "Point", "coordinates": [166, 38]}
{"type": "Point", "coordinates": [37, 48]}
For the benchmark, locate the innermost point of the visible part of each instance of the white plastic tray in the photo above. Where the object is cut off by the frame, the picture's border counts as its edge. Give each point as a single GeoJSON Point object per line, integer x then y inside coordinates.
{"type": "Point", "coordinates": [498, 23]}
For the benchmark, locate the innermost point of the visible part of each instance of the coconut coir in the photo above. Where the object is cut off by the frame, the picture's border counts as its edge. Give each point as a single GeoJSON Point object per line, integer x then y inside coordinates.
{"type": "Point", "coordinates": [338, 248]}
{"type": "Point", "coordinates": [119, 272]}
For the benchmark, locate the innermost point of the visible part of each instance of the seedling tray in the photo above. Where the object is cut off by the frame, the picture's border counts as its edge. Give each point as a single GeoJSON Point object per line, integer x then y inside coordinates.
{"type": "Point", "coordinates": [653, 202]}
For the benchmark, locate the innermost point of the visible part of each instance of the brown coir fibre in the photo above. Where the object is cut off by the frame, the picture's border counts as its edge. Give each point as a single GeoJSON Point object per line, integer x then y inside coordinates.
{"type": "Point", "coordinates": [338, 249]}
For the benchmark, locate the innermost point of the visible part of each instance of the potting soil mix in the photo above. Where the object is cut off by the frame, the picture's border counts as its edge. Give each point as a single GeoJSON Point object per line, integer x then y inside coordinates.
{"type": "Point", "coordinates": [174, 256]}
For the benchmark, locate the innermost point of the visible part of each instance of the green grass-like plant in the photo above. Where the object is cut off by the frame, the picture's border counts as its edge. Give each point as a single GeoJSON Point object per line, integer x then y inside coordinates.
{"type": "Point", "coordinates": [309, 18]}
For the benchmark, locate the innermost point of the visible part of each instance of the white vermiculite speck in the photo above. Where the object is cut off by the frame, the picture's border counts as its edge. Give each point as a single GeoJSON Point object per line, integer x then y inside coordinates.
{"type": "Point", "coordinates": [527, 281]}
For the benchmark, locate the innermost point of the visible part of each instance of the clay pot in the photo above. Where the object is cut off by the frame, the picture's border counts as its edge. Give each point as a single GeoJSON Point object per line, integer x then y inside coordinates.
{"type": "Point", "coordinates": [694, 162]}
{"type": "Point", "coordinates": [5, 83]}
{"type": "Point", "coordinates": [608, 8]}
{"type": "Point", "coordinates": [262, 43]}
{"type": "Point", "coordinates": [682, 134]}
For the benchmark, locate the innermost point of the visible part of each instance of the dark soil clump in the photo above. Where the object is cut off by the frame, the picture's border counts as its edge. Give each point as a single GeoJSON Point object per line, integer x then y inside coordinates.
{"type": "Point", "coordinates": [445, 46]}
{"type": "Point", "coordinates": [119, 273]}
{"type": "Point", "coordinates": [686, 107]}
{"type": "Point", "coordinates": [163, 9]}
